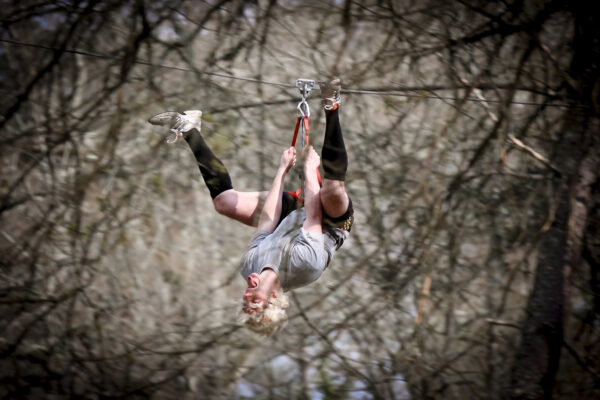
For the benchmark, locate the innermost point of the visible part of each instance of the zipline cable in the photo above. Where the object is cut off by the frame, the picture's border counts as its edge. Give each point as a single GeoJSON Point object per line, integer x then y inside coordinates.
{"type": "Point", "coordinates": [423, 95]}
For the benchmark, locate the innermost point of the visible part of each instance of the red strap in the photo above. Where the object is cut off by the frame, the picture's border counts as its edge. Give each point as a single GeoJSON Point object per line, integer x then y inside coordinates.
{"type": "Point", "coordinates": [296, 132]}
{"type": "Point", "coordinates": [307, 137]}
{"type": "Point", "coordinates": [296, 194]}
{"type": "Point", "coordinates": [306, 130]}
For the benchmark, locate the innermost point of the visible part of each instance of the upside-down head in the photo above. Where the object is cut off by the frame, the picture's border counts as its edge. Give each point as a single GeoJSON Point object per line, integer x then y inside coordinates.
{"type": "Point", "coordinates": [264, 312]}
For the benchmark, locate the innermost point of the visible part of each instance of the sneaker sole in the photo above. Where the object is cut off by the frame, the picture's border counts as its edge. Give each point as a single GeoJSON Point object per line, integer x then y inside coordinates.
{"type": "Point", "coordinates": [162, 118]}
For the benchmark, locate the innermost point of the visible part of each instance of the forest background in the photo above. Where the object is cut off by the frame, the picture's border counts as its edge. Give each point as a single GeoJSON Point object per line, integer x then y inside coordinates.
{"type": "Point", "coordinates": [472, 128]}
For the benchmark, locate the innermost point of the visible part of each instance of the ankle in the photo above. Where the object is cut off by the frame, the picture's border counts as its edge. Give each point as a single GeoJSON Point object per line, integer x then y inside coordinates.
{"type": "Point", "coordinates": [331, 110]}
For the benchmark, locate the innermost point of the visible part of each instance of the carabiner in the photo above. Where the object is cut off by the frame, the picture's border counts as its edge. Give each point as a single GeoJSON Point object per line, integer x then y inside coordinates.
{"type": "Point", "coordinates": [305, 86]}
{"type": "Point", "coordinates": [303, 108]}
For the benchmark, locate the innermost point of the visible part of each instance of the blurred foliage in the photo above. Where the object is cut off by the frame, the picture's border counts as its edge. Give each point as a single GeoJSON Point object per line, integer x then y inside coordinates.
{"type": "Point", "coordinates": [119, 280]}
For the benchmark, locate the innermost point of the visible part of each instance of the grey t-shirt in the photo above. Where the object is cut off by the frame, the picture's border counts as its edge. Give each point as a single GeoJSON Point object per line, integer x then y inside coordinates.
{"type": "Point", "coordinates": [297, 256]}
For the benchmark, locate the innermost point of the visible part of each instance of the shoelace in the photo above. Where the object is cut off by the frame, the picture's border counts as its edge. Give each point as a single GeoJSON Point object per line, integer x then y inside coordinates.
{"type": "Point", "coordinates": [174, 137]}
{"type": "Point", "coordinates": [178, 129]}
{"type": "Point", "coordinates": [334, 99]}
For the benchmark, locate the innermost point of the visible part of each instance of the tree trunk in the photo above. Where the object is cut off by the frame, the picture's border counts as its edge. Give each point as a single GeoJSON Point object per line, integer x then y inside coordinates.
{"type": "Point", "coordinates": [560, 249]}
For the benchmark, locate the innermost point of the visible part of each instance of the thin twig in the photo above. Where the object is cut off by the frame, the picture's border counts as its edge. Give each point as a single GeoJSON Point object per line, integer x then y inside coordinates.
{"type": "Point", "coordinates": [533, 153]}
{"type": "Point", "coordinates": [502, 323]}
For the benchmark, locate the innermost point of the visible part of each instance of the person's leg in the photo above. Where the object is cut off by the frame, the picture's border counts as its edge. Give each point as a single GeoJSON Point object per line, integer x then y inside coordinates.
{"type": "Point", "coordinates": [247, 206]}
{"type": "Point", "coordinates": [216, 177]}
{"type": "Point", "coordinates": [337, 206]}
{"type": "Point", "coordinates": [334, 159]}
{"type": "Point", "coordinates": [242, 206]}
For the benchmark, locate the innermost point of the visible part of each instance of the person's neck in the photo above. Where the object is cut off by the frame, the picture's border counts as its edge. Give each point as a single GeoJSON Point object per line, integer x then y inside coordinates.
{"type": "Point", "coordinates": [269, 281]}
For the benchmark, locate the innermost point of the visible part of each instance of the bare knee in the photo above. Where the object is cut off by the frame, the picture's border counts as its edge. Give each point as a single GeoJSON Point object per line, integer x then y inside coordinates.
{"type": "Point", "coordinates": [334, 198]}
{"type": "Point", "coordinates": [222, 203]}
{"type": "Point", "coordinates": [333, 191]}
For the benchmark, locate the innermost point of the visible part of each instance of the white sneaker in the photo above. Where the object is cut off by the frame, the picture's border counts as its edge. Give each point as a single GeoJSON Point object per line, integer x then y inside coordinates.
{"type": "Point", "coordinates": [179, 123]}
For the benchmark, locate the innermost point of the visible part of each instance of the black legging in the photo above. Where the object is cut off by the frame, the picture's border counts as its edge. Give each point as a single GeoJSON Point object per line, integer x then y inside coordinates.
{"type": "Point", "coordinates": [213, 171]}
{"type": "Point", "coordinates": [333, 155]}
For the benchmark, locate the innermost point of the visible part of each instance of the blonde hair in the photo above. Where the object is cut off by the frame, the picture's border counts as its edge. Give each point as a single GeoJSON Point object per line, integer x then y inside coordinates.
{"type": "Point", "coordinates": [269, 320]}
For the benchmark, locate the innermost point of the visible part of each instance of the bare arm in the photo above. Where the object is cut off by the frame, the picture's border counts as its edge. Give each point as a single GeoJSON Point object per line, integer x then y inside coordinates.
{"type": "Point", "coordinates": [312, 192]}
{"type": "Point", "coordinates": [271, 211]}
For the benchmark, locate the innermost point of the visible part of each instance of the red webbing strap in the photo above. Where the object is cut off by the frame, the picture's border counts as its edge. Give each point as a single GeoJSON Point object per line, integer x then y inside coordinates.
{"type": "Point", "coordinates": [307, 140]}
{"type": "Point", "coordinates": [306, 137]}
{"type": "Point", "coordinates": [296, 194]}
{"type": "Point", "coordinates": [296, 132]}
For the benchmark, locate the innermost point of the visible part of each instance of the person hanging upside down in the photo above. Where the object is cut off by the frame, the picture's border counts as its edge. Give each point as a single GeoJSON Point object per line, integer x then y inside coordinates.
{"type": "Point", "coordinates": [295, 239]}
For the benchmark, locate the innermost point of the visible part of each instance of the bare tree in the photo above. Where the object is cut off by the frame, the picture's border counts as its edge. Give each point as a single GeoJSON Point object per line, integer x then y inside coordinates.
{"type": "Point", "coordinates": [577, 157]}
{"type": "Point", "coordinates": [472, 269]}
